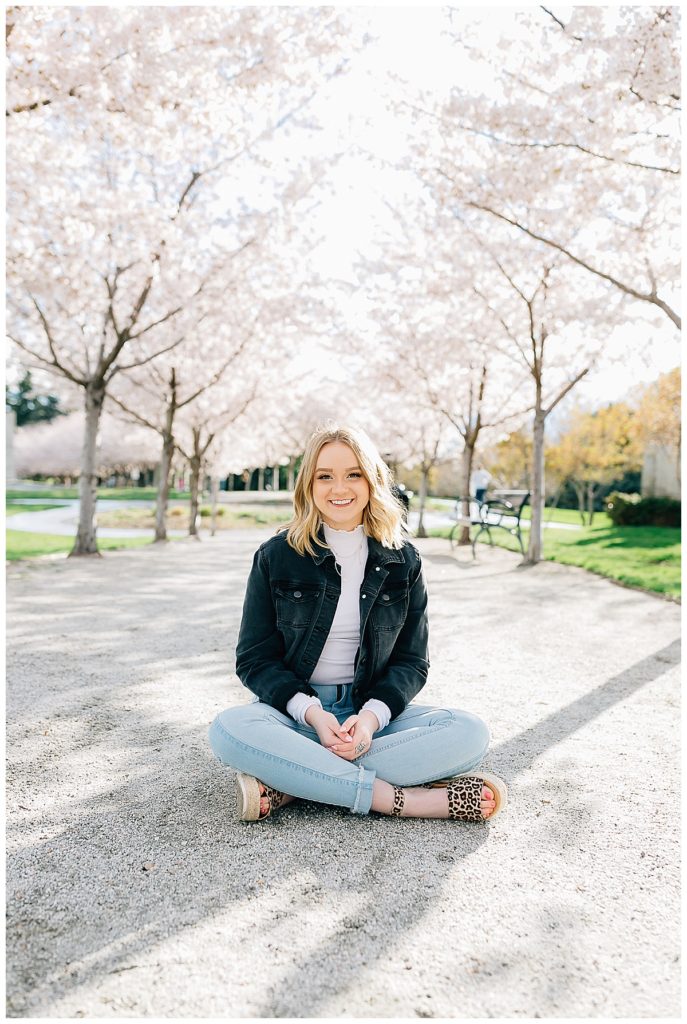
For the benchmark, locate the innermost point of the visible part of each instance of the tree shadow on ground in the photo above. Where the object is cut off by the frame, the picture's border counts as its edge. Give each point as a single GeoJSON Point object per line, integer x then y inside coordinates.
{"type": "Point", "coordinates": [532, 742]}
{"type": "Point", "coordinates": [84, 891]}
{"type": "Point", "coordinates": [82, 906]}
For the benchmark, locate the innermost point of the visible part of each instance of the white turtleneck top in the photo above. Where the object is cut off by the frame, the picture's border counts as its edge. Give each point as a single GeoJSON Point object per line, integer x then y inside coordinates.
{"type": "Point", "coordinates": [335, 666]}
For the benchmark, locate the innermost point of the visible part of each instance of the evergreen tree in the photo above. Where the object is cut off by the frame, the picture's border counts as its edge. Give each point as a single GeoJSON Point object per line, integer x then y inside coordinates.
{"type": "Point", "coordinates": [30, 407]}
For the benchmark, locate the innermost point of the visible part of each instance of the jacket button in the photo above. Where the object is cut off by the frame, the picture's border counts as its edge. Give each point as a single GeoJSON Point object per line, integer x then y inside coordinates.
{"type": "Point", "coordinates": [377, 568]}
{"type": "Point", "coordinates": [297, 593]}
{"type": "Point", "coordinates": [363, 595]}
{"type": "Point", "coordinates": [386, 597]}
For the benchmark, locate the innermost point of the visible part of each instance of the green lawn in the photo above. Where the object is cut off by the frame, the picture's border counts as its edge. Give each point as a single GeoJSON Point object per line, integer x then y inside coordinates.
{"type": "Point", "coordinates": [21, 544]}
{"type": "Point", "coordinates": [114, 493]}
{"type": "Point", "coordinates": [551, 515]}
{"type": "Point", "coordinates": [567, 515]}
{"type": "Point", "coordinates": [639, 556]}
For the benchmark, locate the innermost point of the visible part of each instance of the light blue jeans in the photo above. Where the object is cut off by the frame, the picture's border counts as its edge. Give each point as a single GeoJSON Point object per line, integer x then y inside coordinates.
{"type": "Point", "coordinates": [419, 745]}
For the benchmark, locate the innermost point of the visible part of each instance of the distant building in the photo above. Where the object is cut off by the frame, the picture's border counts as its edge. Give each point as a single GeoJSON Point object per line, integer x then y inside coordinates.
{"type": "Point", "coordinates": [660, 472]}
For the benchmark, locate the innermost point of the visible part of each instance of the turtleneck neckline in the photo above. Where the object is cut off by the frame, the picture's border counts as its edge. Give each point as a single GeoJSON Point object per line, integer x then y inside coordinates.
{"type": "Point", "coordinates": [345, 542]}
{"type": "Point", "coordinates": [357, 530]}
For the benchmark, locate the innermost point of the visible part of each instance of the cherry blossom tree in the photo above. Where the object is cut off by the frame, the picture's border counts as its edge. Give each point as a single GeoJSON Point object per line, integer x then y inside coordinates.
{"type": "Point", "coordinates": [554, 333]}
{"type": "Point", "coordinates": [145, 113]}
{"type": "Point", "coordinates": [154, 395]}
{"type": "Point", "coordinates": [577, 145]}
{"type": "Point", "coordinates": [545, 314]}
{"type": "Point", "coordinates": [435, 344]}
{"type": "Point", "coordinates": [55, 448]}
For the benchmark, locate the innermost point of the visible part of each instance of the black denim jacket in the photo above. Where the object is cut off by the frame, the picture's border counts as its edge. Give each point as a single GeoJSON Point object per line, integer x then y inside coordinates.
{"type": "Point", "coordinates": [288, 611]}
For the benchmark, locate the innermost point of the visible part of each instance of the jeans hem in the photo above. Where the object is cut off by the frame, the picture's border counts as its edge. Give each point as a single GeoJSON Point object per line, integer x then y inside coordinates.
{"type": "Point", "coordinates": [363, 784]}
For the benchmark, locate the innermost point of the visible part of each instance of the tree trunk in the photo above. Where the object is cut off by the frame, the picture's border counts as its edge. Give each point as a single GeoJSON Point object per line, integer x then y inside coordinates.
{"type": "Point", "coordinates": [86, 542]}
{"type": "Point", "coordinates": [579, 491]}
{"type": "Point", "coordinates": [534, 551]}
{"type": "Point", "coordinates": [679, 457]}
{"type": "Point", "coordinates": [163, 485]}
{"type": "Point", "coordinates": [466, 472]}
{"type": "Point", "coordinates": [214, 489]}
{"type": "Point", "coordinates": [590, 503]}
{"type": "Point", "coordinates": [421, 532]}
{"type": "Point", "coordinates": [275, 478]}
{"type": "Point", "coordinates": [196, 466]}
{"type": "Point", "coordinates": [261, 478]}
{"type": "Point", "coordinates": [166, 462]}
{"type": "Point", "coordinates": [291, 483]}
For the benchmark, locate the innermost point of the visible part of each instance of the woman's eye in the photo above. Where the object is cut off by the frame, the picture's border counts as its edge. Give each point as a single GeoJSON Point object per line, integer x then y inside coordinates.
{"type": "Point", "coordinates": [327, 476]}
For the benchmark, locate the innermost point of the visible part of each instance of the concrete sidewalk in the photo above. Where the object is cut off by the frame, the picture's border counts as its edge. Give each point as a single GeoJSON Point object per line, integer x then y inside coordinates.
{"type": "Point", "coordinates": [133, 892]}
{"type": "Point", "coordinates": [64, 520]}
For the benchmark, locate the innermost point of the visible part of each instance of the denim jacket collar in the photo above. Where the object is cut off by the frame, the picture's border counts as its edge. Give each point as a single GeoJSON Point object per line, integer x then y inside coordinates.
{"type": "Point", "coordinates": [376, 551]}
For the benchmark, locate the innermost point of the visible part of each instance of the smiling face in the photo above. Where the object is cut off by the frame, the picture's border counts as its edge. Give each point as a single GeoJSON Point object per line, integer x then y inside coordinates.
{"type": "Point", "coordinates": [339, 489]}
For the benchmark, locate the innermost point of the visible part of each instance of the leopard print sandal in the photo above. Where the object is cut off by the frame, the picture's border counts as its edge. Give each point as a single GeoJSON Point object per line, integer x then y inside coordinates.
{"type": "Point", "coordinates": [465, 795]}
{"type": "Point", "coordinates": [248, 798]}
{"type": "Point", "coordinates": [399, 801]}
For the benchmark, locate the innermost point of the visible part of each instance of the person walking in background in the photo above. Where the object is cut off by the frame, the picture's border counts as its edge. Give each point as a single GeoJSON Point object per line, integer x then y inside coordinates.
{"type": "Point", "coordinates": [333, 642]}
{"type": "Point", "coordinates": [479, 481]}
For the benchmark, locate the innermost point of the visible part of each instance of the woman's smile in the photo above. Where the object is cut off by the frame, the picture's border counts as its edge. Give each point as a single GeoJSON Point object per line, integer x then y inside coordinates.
{"type": "Point", "coordinates": [337, 470]}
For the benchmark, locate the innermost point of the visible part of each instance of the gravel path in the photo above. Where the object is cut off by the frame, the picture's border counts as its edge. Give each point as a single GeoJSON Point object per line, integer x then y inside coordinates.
{"type": "Point", "coordinates": [133, 892]}
{"type": "Point", "coordinates": [63, 521]}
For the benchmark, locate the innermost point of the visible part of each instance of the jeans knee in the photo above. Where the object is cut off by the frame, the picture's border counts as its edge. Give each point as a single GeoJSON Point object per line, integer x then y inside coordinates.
{"type": "Point", "coordinates": [228, 728]}
{"type": "Point", "coordinates": [472, 731]}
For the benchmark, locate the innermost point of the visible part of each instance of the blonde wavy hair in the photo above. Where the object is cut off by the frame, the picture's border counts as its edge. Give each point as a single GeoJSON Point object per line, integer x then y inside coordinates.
{"type": "Point", "coordinates": [383, 514]}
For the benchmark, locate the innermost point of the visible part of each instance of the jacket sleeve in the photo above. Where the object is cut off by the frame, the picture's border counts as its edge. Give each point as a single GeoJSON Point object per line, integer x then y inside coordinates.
{"type": "Point", "coordinates": [260, 648]}
{"type": "Point", "coordinates": [406, 671]}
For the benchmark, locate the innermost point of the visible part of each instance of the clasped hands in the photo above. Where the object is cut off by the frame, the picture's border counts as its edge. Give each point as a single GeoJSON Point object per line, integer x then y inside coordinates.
{"type": "Point", "coordinates": [349, 740]}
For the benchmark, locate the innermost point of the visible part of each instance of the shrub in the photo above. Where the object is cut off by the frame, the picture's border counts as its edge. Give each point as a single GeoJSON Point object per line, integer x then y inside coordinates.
{"type": "Point", "coordinates": [177, 511]}
{"type": "Point", "coordinates": [206, 511]}
{"type": "Point", "coordinates": [631, 510]}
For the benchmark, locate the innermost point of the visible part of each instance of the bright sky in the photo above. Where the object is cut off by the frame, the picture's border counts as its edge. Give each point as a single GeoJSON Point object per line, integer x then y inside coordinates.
{"type": "Point", "coordinates": [410, 44]}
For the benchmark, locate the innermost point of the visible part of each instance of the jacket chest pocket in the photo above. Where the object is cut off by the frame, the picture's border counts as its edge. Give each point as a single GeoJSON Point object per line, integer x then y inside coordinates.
{"type": "Point", "coordinates": [296, 605]}
{"type": "Point", "coordinates": [389, 610]}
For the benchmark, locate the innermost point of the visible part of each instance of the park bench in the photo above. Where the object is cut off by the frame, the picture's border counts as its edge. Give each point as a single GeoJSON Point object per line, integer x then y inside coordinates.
{"type": "Point", "coordinates": [495, 513]}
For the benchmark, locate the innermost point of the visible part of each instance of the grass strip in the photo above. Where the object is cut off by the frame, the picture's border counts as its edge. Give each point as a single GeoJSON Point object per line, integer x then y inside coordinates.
{"type": "Point", "coordinates": [21, 544]}
{"type": "Point", "coordinates": [551, 515]}
{"type": "Point", "coordinates": [115, 493]}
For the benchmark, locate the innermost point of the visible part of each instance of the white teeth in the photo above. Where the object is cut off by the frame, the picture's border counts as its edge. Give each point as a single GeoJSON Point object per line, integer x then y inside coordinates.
{"type": "Point", "coordinates": [346, 502]}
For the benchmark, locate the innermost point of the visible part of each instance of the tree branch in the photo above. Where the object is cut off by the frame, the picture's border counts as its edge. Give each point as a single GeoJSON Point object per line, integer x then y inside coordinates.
{"type": "Point", "coordinates": [500, 140]}
{"type": "Point", "coordinates": [156, 323]}
{"type": "Point", "coordinates": [568, 387]}
{"type": "Point", "coordinates": [148, 359]}
{"type": "Point", "coordinates": [627, 289]}
{"type": "Point", "coordinates": [41, 359]}
{"type": "Point", "coordinates": [558, 21]}
{"type": "Point", "coordinates": [135, 417]}
{"type": "Point", "coordinates": [71, 374]}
